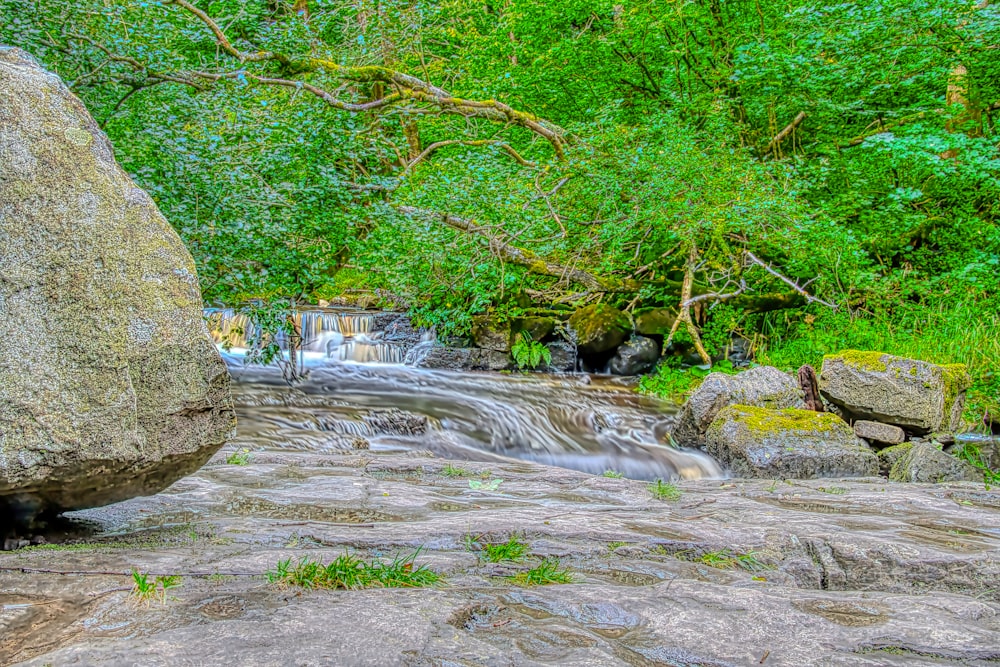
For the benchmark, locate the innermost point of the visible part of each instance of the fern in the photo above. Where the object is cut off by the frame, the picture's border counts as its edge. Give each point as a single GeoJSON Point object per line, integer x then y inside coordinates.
{"type": "Point", "coordinates": [529, 353]}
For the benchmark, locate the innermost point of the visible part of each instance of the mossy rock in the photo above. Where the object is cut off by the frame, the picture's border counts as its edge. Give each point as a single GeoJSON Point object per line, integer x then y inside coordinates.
{"type": "Point", "coordinates": [915, 395]}
{"type": "Point", "coordinates": [787, 444]}
{"type": "Point", "coordinates": [537, 328]}
{"type": "Point", "coordinates": [489, 334]}
{"type": "Point", "coordinates": [927, 464]}
{"type": "Point", "coordinates": [887, 457]}
{"type": "Point", "coordinates": [654, 321]}
{"type": "Point", "coordinates": [599, 328]}
{"type": "Point", "coordinates": [762, 387]}
{"type": "Point", "coordinates": [110, 386]}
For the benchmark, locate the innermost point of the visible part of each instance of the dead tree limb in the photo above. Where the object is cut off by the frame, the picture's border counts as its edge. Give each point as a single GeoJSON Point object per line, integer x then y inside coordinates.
{"type": "Point", "coordinates": [788, 281]}
{"type": "Point", "coordinates": [684, 316]}
{"type": "Point", "coordinates": [775, 143]}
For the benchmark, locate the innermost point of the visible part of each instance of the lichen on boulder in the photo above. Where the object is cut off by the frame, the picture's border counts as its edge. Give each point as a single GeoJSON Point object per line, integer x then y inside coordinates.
{"type": "Point", "coordinates": [915, 395]}
{"type": "Point", "coordinates": [789, 443]}
{"type": "Point", "coordinates": [762, 387]}
{"type": "Point", "coordinates": [110, 386]}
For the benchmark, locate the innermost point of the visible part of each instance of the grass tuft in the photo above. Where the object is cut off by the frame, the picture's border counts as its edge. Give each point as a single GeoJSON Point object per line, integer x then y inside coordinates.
{"type": "Point", "coordinates": [549, 571]}
{"type": "Point", "coordinates": [613, 474]}
{"type": "Point", "coordinates": [512, 550]}
{"type": "Point", "coordinates": [454, 471]}
{"type": "Point", "coordinates": [145, 590]}
{"type": "Point", "coordinates": [351, 572]}
{"type": "Point", "coordinates": [724, 559]}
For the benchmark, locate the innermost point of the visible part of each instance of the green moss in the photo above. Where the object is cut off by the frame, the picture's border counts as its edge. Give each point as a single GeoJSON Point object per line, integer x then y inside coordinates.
{"type": "Point", "coordinates": [765, 421]}
{"type": "Point", "coordinates": [869, 361]}
{"type": "Point", "coordinates": [956, 380]}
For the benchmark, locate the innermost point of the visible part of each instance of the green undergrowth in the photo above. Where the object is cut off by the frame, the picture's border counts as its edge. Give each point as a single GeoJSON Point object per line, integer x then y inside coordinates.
{"type": "Point", "coordinates": [348, 571]}
{"type": "Point", "coordinates": [673, 383]}
{"type": "Point", "coordinates": [971, 453]}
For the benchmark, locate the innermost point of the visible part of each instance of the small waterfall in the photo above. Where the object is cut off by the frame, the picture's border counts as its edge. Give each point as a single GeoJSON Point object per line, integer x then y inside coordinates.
{"type": "Point", "coordinates": [326, 335]}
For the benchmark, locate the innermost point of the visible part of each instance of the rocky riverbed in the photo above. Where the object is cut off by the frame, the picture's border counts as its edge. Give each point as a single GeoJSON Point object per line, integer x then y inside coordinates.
{"type": "Point", "coordinates": [772, 572]}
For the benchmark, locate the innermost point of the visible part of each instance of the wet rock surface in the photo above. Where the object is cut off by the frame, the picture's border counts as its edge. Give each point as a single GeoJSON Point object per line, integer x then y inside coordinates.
{"type": "Point", "coordinates": [110, 386]}
{"type": "Point", "coordinates": [923, 462]}
{"type": "Point", "coordinates": [844, 573]}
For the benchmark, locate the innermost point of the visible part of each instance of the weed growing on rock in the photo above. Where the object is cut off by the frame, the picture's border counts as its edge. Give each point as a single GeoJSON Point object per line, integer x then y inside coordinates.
{"type": "Point", "coordinates": [239, 458]}
{"type": "Point", "coordinates": [971, 453]}
{"type": "Point", "coordinates": [144, 590]}
{"type": "Point", "coordinates": [834, 490]}
{"type": "Point", "coordinates": [613, 474]}
{"type": "Point", "coordinates": [511, 550]}
{"type": "Point", "coordinates": [614, 545]}
{"type": "Point", "coordinates": [454, 471]}
{"type": "Point", "coordinates": [664, 490]}
{"type": "Point", "coordinates": [549, 571]}
{"type": "Point", "coordinates": [351, 572]}
{"type": "Point", "coordinates": [725, 559]}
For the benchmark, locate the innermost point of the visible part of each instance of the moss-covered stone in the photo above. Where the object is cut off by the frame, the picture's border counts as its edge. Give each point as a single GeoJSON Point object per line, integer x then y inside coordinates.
{"type": "Point", "coordinates": [888, 457]}
{"type": "Point", "coordinates": [915, 395]}
{"type": "Point", "coordinates": [537, 328]}
{"type": "Point", "coordinates": [109, 384]}
{"type": "Point", "coordinates": [789, 443]}
{"type": "Point", "coordinates": [599, 328]}
{"type": "Point", "coordinates": [654, 321]}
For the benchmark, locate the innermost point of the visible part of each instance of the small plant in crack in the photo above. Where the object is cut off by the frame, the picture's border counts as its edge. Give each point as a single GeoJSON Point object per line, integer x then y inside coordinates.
{"type": "Point", "coordinates": [724, 559]}
{"type": "Point", "coordinates": [240, 457]}
{"type": "Point", "coordinates": [145, 589]}
{"type": "Point", "coordinates": [613, 474]}
{"type": "Point", "coordinates": [455, 471]}
{"type": "Point", "coordinates": [513, 550]}
{"type": "Point", "coordinates": [549, 571]}
{"type": "Point", "coordinates": [664, 490]}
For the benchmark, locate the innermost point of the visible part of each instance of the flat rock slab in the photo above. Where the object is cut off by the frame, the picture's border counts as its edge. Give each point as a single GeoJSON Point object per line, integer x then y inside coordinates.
{"type": "Point", "coordinates": [833, 572]}
{"type": "Point", "coordinates": [877, 432]}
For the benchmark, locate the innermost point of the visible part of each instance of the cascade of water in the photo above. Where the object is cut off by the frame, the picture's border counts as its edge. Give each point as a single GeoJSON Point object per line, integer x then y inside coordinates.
{"type": "Point", "coordinates": [326, 335]}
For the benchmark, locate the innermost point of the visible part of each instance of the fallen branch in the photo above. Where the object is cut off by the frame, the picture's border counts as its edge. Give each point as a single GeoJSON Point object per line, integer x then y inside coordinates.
{"type": "Point", "coordinates": [778, 138]}
{"type": "Point", "coordinates": [788, 281]}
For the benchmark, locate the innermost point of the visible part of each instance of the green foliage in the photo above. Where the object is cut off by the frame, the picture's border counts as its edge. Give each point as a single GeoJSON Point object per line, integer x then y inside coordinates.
{"type": "Point", "coordinates": [883, 199]}
{"type": "Point", "coordinates": [512, 550]}
{"type": "Point", "coordinates": [664, 490]}
{"type": "Point", "coordinates": [145, 590]}
{"type": "Point", "coordinates": [529, 353]}
{"type": "Point", "coordinates": [352, 572]}
{"type": "Point", "coordinates": [613, 474]}
{"type": "Point", "coordinates": [549, 571]}
{"type": "Point", "coordinates": [670, 382]}
{"type": "Point", "coordinates": [971, 453]}
{"type": "Point", "coordinates": [453, 471]}
{"type": "Point", "coordinates": [239, 458]}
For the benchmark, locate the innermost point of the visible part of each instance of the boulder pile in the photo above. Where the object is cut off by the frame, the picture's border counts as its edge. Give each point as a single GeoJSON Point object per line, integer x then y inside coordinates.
{"type": "Point", "coordinates": [882, 413]}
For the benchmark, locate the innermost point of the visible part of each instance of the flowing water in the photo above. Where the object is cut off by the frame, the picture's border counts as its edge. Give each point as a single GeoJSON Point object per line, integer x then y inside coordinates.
{"type": "Point", "coordinates": [357, 393]}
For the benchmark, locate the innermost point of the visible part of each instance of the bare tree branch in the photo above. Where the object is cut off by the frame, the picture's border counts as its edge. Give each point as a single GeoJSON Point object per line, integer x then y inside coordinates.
{"type": "Point", "coordinates": [788, 281]}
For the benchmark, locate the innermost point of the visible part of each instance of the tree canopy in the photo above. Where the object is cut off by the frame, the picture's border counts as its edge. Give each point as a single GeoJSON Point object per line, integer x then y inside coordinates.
{"type": "Point", "coordinates": [467, 155]}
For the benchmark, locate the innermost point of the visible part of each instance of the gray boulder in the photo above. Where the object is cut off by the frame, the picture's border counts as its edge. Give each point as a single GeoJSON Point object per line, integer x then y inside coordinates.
{"type": "Point", "coordinates": [788, 444]}
{"type": "Point", "coordinates": [489, 334]}
{"type": "Point", "coordinates": [441, 357]}
{"type": "Point", "coordinates": [562, 357]}
{"type": "Point", "coordinates": [110, 386]}
{"type": "Point", "coordinates": [926, 463]}
{"type": "Point", "coordinates": [637, 355]}
{"type": "Point", "coordinates": [762, 387]}
{"type": "Point", "coordinates": [917, 396]}
{"type": "Point", "coordinates": [887, 434]}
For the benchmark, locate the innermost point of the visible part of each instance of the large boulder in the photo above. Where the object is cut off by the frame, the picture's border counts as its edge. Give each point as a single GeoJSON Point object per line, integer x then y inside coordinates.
{"type": "Point", "coordinates": [562, 357]}
{"type": "Point", "coordinates": [489, 334]}
{"type": "Point", "coordinates": [788, 444]}
{"type": "Point", "coordinates": [762, 387]}
{"type": "Point", "coordinates": [925, 463]}
{"type": "Point", "coordinates": [637, 355]}
{"type": "Point", "coordinates": [110, 386]}
{"type": "Point", "coordinates": [599, 328]}
{"type": "Point", "coordinates": [917, 396]}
